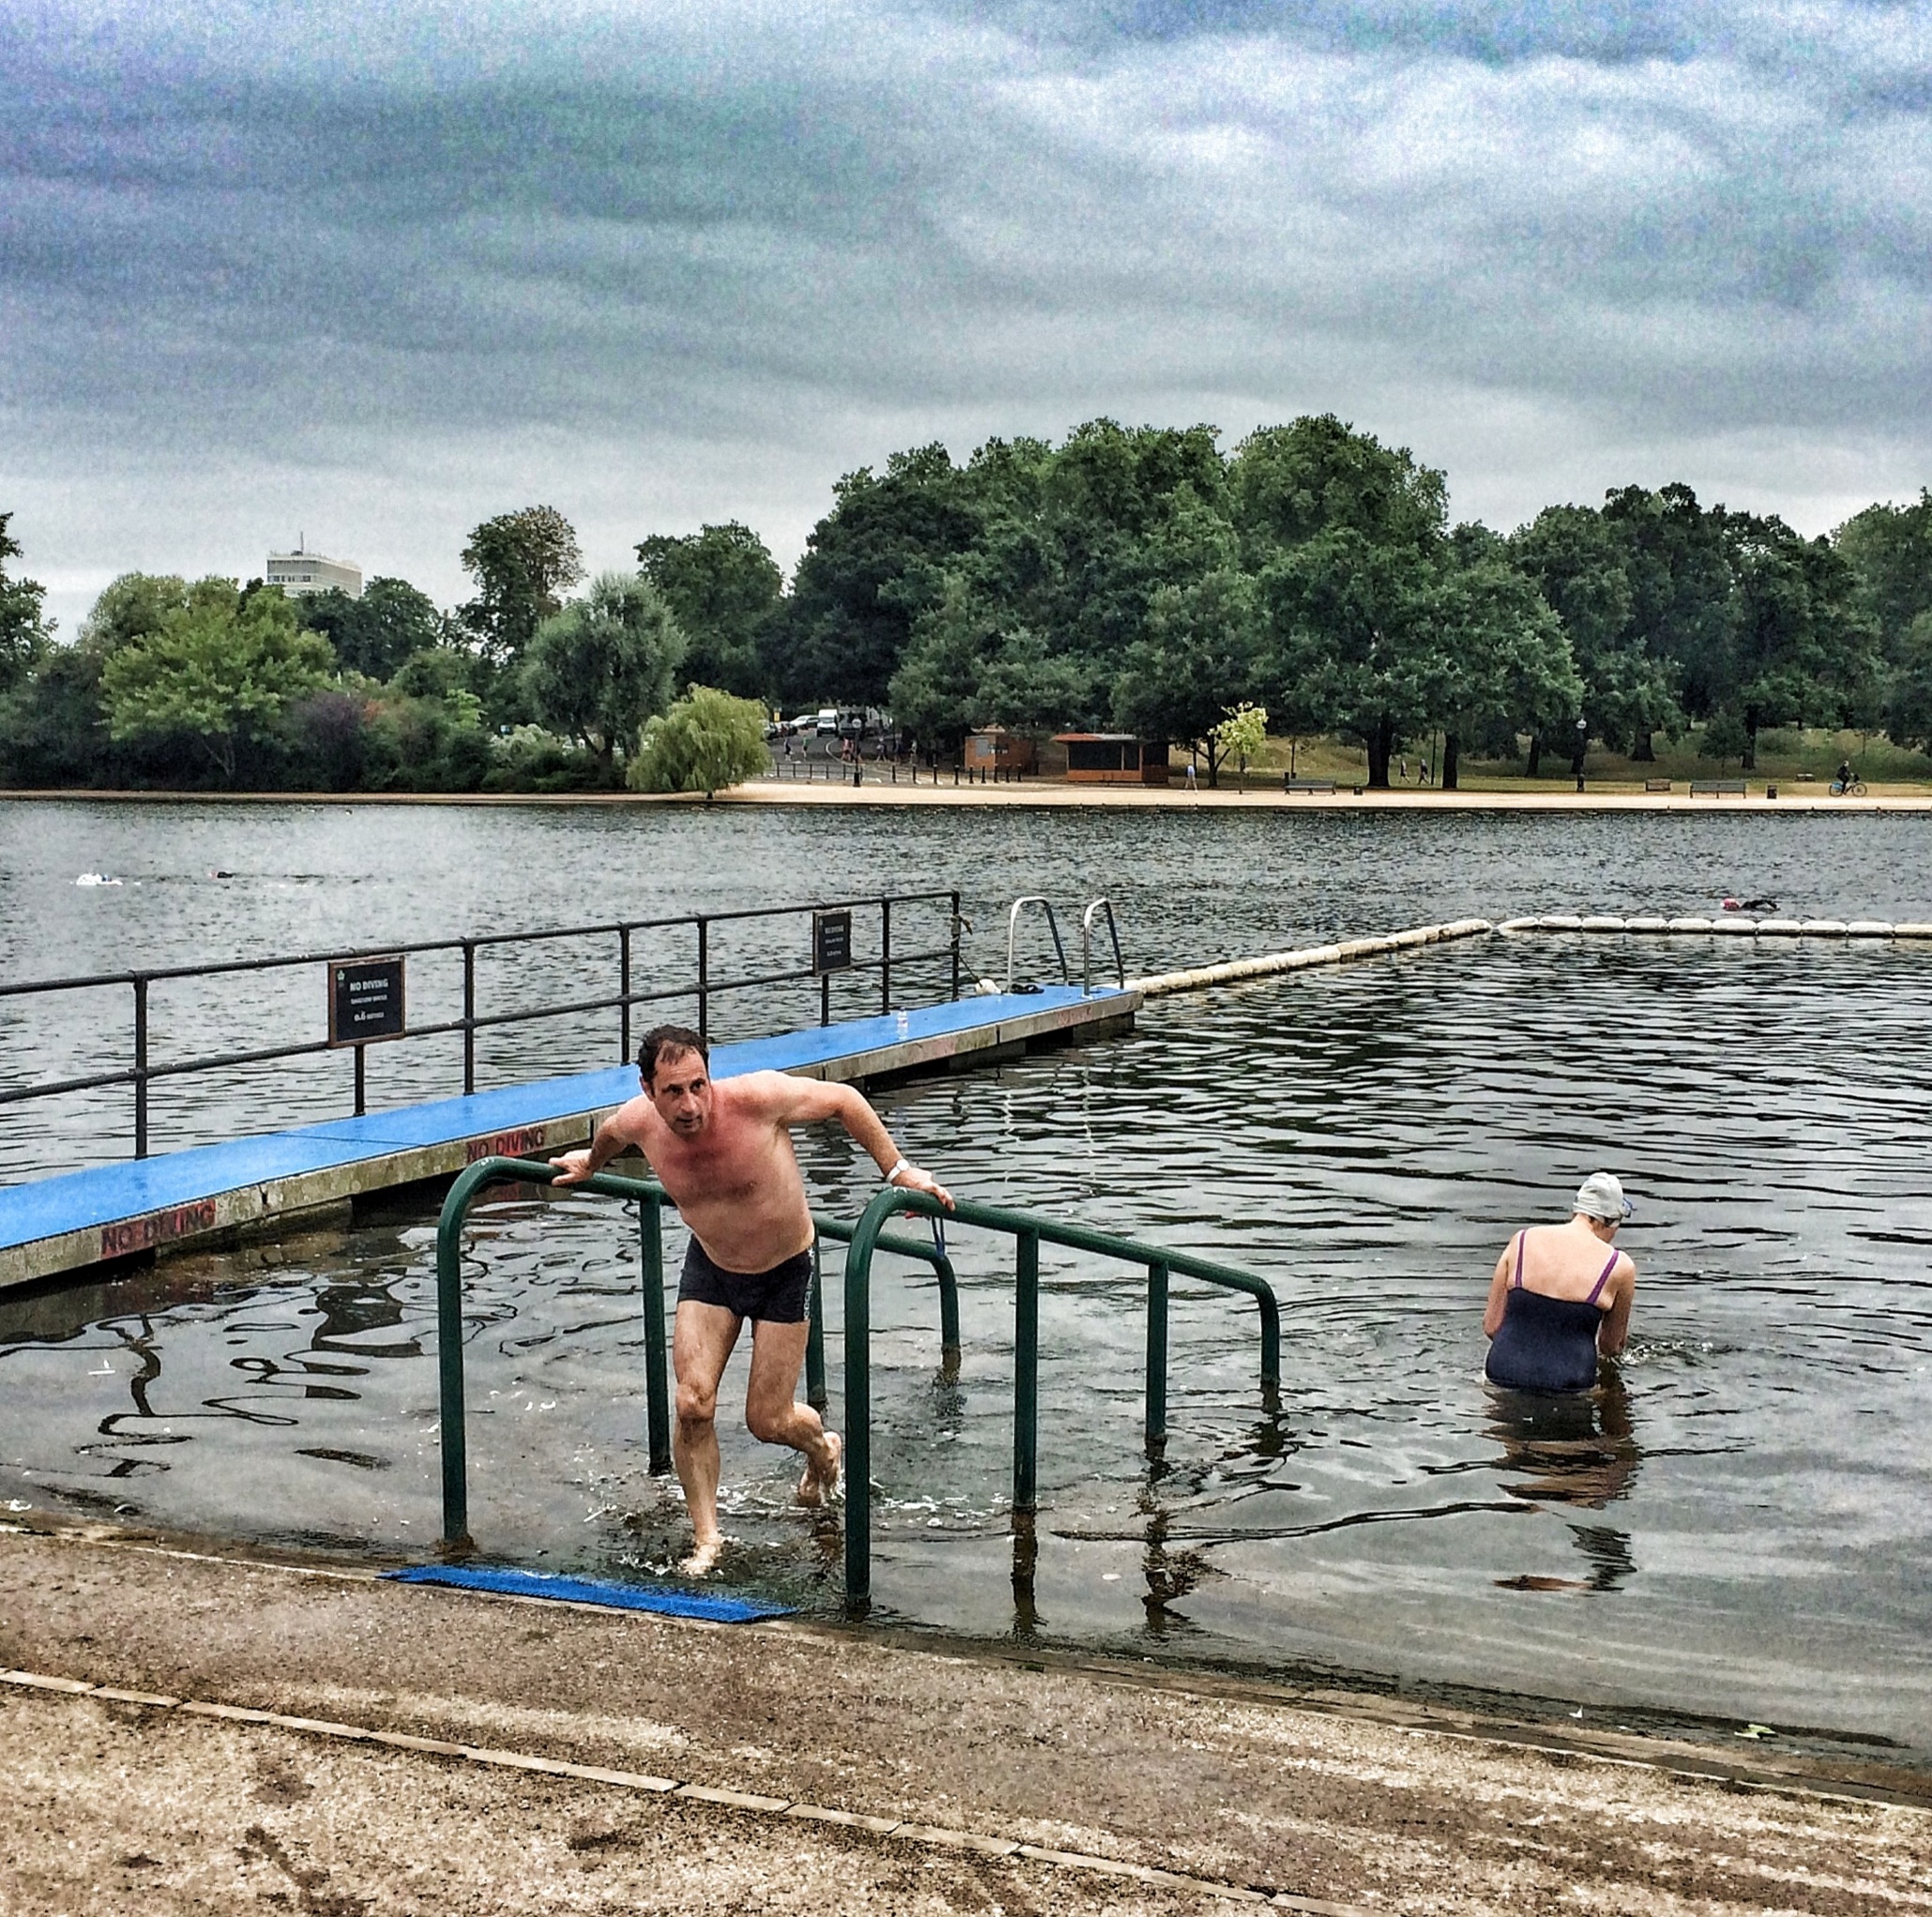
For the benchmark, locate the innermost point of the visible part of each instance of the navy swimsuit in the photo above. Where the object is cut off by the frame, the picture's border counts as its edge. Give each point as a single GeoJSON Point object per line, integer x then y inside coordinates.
{"type": "Point", "coordinates": [1544, 1343]}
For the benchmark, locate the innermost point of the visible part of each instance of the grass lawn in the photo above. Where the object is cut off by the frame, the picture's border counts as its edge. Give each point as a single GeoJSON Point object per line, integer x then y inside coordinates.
{"type": "Point", "coordinates": [1784, 757]}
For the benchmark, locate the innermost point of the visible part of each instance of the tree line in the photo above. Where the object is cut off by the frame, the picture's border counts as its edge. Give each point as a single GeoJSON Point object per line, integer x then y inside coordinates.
{"type": "Point", "coordinates": [1137, 579]}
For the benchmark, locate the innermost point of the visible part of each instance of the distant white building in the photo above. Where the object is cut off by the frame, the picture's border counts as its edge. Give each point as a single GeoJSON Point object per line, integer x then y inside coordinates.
{"type": "Point", "coordinates": [302, 571]}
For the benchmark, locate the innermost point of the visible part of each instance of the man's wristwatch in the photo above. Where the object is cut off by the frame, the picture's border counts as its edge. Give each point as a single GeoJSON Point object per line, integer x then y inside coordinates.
{"type": "Point", "coordinates": [903, 1165]}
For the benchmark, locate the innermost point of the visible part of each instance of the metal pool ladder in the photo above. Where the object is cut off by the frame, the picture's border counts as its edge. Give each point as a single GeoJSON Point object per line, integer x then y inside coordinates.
{"type": "Point", "coordinates": [864, 1239]}
{"type": "Point", "coordinates": [1120, 969]}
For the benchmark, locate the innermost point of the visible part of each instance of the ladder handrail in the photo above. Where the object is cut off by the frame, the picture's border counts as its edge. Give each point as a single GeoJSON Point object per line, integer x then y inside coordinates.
{"type": "Point", "coordinates": [1029, 1230]}
{"type": "Point", "coordinates": [864, 1239]}
{"type": "Point", "coordinates": [1052, 925]}
{"type": "Point", "coordinates": [651, 1200]}
{"type": "Point", "coordinates": [1120, 966]}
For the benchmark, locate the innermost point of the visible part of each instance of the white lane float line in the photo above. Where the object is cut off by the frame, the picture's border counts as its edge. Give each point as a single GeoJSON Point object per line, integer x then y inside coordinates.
{"type": "Point", "coordinates": [1730, 924]}
{"type": "Point", "coordinates": [1303, 957]}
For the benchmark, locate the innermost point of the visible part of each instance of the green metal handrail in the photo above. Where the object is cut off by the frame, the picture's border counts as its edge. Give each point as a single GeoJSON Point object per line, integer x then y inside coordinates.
{"type": "Point", "coordinates": [651, 1200]}
{"type": "Point", "coordinates": [1028, 1232]}
{"type": "Point", "coordinates": [863, 1240]}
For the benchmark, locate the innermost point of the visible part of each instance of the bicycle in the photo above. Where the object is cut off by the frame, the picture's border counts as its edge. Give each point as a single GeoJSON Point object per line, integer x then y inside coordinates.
{"type": "Point", "coordinates": [1842, 789]}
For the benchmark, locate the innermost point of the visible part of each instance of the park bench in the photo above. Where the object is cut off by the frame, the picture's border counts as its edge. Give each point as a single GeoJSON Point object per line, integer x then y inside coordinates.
{"type": "Point", "coordinates": [1733, 788]}
{"type": "Point", "coordinates": [1656, 785]}
{"type": "Point", "coordinates": [1306, 785]}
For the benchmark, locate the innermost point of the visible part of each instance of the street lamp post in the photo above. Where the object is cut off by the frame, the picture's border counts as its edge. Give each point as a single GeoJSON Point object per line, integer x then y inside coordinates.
{"type": "Point", "coordinates": [1582, 740]}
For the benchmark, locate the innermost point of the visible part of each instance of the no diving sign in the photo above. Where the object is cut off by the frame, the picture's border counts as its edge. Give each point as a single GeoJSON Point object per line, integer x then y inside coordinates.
{"type": "Point", "coordinates": [365, 1000]}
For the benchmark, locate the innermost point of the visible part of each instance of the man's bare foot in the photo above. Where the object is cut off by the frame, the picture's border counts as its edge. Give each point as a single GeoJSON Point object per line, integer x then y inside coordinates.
{"type": "Point", "coordinates": [817, 1487]}
{"type": "Point", "coordinates": [704, 1559]}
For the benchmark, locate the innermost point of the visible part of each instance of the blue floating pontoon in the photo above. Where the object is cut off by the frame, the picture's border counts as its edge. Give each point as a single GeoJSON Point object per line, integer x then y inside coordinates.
{"type": "Point", "coordinates": [60, 1224]}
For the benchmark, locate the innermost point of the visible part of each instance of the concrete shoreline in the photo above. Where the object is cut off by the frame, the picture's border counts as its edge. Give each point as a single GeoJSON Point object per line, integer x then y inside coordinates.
{"type": "Point", "coordinates": [1052, 795]}
{"type": "Point", "coordinates": [296, 1733]}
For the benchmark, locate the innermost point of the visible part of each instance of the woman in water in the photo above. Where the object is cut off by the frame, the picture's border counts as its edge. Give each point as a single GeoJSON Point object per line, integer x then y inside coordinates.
{"type": "Point", "coordinates": [1562, 1295]}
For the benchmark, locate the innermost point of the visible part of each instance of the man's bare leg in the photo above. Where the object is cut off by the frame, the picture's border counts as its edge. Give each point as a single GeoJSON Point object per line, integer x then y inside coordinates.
{"type": "Point", "coordinates": [774, 1414]}
{"type": "Point", "coordinates": [700, 1344]}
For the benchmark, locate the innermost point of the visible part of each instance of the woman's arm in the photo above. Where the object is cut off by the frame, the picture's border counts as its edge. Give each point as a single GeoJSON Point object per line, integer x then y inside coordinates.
{"type": "Point", "coordinates": [1615, 1328]}
{"type": "Point", "coordinates": [1499, 1288]}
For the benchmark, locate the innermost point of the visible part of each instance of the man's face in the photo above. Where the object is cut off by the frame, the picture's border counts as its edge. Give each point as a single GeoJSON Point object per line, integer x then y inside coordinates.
{"type": "Point", "coordinates": [680, 1088]}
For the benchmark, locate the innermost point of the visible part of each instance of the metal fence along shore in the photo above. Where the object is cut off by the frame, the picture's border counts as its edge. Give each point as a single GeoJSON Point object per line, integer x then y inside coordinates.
{"type": "Point", "coordinates": [675, 962]}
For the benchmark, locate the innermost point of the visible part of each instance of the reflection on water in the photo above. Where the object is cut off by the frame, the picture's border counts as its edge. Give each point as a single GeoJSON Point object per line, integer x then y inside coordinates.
{"type": "Point", "coordinates": [1576, 1449]}
{"type": "Point", "coordinates": [1737, 1521]}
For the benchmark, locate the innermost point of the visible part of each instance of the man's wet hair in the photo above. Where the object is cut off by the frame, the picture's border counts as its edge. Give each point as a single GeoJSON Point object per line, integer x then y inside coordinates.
{"type": "Point", "coordinates": [669, 1041]}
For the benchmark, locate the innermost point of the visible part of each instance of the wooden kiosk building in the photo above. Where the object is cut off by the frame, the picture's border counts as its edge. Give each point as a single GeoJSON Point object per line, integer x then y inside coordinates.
{"type": "Point", "coordinates": [1113, 759]}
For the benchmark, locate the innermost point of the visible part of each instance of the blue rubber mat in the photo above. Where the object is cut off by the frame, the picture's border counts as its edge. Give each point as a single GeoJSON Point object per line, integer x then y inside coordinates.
{"type": "Point", "coordinates": [663, 1598]}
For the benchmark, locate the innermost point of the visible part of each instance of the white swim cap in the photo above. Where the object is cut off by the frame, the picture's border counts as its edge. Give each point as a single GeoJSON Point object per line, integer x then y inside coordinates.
{"type": "Point", "coordinates": [1601, 1195]}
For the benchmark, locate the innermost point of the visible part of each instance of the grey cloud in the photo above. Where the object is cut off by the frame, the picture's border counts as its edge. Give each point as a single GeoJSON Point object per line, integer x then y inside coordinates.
{"type": "Point", "coordinates": [1528, 240]}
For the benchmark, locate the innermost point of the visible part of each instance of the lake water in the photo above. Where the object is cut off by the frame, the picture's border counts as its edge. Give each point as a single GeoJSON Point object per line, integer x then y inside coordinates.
{"type": "Point", "coordinates": [1736, 1524]}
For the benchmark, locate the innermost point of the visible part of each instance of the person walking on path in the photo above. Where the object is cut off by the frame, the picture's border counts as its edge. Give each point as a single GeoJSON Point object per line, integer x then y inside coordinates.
{"type": "Point", "coordinates": [1560, 1295]}
{"type": "Point", "coordinates": [723, 1152]}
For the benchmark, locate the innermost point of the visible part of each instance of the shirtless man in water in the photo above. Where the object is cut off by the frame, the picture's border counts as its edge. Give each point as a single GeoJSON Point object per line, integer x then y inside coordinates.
{"type": "Point", "coordinates": [723, 1152]}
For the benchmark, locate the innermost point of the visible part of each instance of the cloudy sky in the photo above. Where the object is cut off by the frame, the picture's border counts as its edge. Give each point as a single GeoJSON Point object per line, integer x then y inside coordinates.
{"type": "Point", "coordinates": [374, 272]}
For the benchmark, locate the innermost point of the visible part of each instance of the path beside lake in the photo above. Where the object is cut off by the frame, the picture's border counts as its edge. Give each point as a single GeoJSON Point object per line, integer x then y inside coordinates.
{"type": "Point", "coordinates": [298, 1735]}
{"type": "Point", "coordinates": [880, 790]}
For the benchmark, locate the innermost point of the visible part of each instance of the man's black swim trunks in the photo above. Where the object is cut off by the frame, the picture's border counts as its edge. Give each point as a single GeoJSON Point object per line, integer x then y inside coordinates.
{"type": "Point", "coordinates": [777, 1296]}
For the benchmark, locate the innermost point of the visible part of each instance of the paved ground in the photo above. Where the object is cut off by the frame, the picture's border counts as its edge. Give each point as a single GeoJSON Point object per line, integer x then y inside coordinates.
{"type": "Point", "coordinates": [881, 791]}
{"type": "Point", "coordinates": [116, 1805]}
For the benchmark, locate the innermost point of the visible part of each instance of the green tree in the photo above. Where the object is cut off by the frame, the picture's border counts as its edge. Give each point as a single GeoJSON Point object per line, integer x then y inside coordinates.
{"type": "Point", "coordinates": [1679, 577]}
{"type": "Point", "coordinates": [217, 671]}
{"type": "Point", "coordinates": [1889, 551]}
{"type": "Point", "coordinates": [138, 603]}
{"type": "Point", "coordinates": [872, 565]}
{"type": "Point", "coordinates": [1909, 691]}
{"type": "Point", "coordinates": [706, 742]}
{"type": "Point", "coordinates": [375, 634]}
{"type": "Point", "coordinates": [1801, 650]}
{"type": "Point", "coordinates": [1496, 659]}
{"type": "Point", "coordinates": [524, 563]}
{"type": "Point", "coordinates": [598, 670]}
{"type": "Point", "coordinates": [1346, 538]}
{"type": "Point", "coordinates": [25, 633]}
{"type": "Point", "coordinates": [724, 589]}
{"type": "Point", "coordinates": [1242, 735]}
{"type": "Point", "coordinates": [966, 668]}
{"type": "Point", "coordinates": [57, 728]}
{"type": "Point", "coordinates": [1196, 657]}
{"type": "Point", "coordinates": [1580, 561]}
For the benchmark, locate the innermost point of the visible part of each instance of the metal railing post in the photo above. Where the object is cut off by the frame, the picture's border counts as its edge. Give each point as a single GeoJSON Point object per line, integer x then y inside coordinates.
{"type": "Point", "coordinates": [816, 1395]}
{"type": "Point", "coordinates": [657, 1370]}
{"type": "Point", "coordinates": [361, 1082]}
{"type": "Point", "coordinates": [452, 1439]}
{"type": "Point", "coordinates": [885, 954]}
{"type": "Point", "coordinates": [948, 1307]}
{"type": "Point", "coordinates": [623, 992]}
{"type": "Point", "coordinates": [1157, 1358]}
{"type": "Point", "coordinates": [956, 944]}
{"type": "Point", "coordinates": [704, 980]}
{"type": "Point", "coordinates": [140, 1066]}
{"type": "Point", "coordinates": [469, 1017]}
{"type": "Point", "coordinates": [1026, 1371]}
{"type": "Point", "coordinates": [858, 1396]}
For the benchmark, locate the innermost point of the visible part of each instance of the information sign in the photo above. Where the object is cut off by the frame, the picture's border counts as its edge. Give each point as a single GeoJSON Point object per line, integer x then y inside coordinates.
{"type": "Point", "coordinates": [365, 1000]}
{"type": "Point", "coordinates": [831, 942]}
